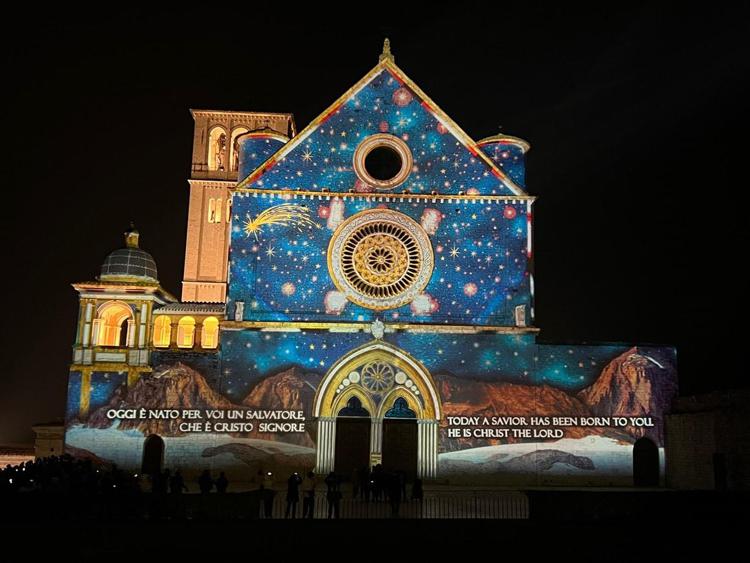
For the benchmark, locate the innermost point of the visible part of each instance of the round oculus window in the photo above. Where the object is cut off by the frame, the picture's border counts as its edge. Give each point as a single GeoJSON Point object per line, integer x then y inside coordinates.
{"type": "Point", "coordinates": [383, 161]}
{"type": "Point", "coordinates": [380, 259]}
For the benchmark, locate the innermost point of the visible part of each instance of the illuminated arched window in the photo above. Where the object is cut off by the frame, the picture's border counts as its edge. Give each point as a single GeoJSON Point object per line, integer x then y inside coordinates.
{"type": "Point", "coordinates": [210, 333]}
{"type": "Point", "coordinates": [217, 149]}
{"type": "Point", "coordinates": [111, 325]}
{"type": "Point", "coordinates": [162, 331]}
{"type": "Point", "coordinates": [186, 332]}
{"type": "Point", "coordinates": [234, 153]}
{"type": "Point", "coordinates": [229, 210]}
{"type": "Point", "coordinates": [211, 210]}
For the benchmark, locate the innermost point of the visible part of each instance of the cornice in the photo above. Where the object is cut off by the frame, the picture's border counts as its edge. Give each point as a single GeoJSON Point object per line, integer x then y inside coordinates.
{"type": "Point", "coordinates": [378, 197]}
{"type": "Point", "coordinates": [213, 183]}
{"type": "Point", "coordinates": [283, 326]}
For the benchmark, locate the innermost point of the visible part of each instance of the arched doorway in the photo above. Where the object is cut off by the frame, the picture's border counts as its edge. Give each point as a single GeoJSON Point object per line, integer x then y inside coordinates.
{"type": "Point", "coordinates": [400, 439]}
{"type": "Point", "coordinates": [645, 463]}
{"type": "Point", "coordinates": [352, 438]}
{"type": "Point", "coordinates": [378, 375]}
{"type": "Point", "coordinates": [153, 455]}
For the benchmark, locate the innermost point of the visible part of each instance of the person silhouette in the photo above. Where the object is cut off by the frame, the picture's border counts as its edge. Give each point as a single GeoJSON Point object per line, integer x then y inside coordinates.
{"type": "Point", "coordinates": [393, 486]}
{"type": "Point", "coordinates": [355, 483]}
{"type": "Point", "coordinates": [222, 483]}
{"type": "Point", "coordinates": [205, 482]}
{"type": "Point", "coordinates": [292, 494]}
{"type": "Point", "coordinates": [267, 494]}
{"type": "Point", "coordinates": [176, 486]}
{"type": "Point", "coordinates": [416, 490]}
{"type": "Point", "coordinates": [333, 496]}
{"type": "Point", "coordinates": [308, 492]}
{"type": "Point", "coordinates": [364, 486]}
{"type": "Point", "coordinates": [177, 483]}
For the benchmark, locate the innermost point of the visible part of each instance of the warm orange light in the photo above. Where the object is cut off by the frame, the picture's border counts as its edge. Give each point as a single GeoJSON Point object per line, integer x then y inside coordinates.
{"type": "Point", "coordinates": [211, 210]}
{"type": "Point", "coordinates": [215, 210]}
{"type": "Point", "coordinates": [162, 331]}
{"type": "Point", "coordinates": [234, 155]}
{"type": "Point", "coordinates": [113, 324]}
{"type": "Point", "coordinates": [210, 333]}
{"type": "Point", "coordinates": [186, 332]}
{"type": "Point", "coordinates": [217, 149]}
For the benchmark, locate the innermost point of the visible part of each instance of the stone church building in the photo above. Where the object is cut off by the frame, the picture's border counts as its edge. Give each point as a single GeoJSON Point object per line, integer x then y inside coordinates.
{"type": "Point", "coordinates": [356, 294]}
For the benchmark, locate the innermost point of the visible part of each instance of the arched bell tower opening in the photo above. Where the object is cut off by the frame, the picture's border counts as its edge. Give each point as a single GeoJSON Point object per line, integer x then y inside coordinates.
{"type": "Point", "coordinates": [380, 398]}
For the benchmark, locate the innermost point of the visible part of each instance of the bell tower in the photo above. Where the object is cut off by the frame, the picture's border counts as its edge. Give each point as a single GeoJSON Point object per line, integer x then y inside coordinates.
{"type": "Point", "coordinates": [214, 172]}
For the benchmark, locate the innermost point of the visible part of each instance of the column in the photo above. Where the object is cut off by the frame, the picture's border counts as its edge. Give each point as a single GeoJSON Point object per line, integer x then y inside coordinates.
{"type": "Point", "coordinates": [131, 333]}
{"type": "Point", "coordinates": [87, 324]}
{"type": "Point", "coordinates": [433, 453]}
{"type": "Point", "coordinates": [420, 448]}
{"type": "Point", "coordinates": [326, 447]}
{"type": "Point", "coordinates": [427, 447]}
{"type": "Point", "coordinates": [142, 330]}
{"type": "Point", "coordinates": [173, 327]}
{"type": "Point", "coordinates": [198, 334]}
{"type": "Point", "coordinates": [376, 441]}
{"type": "Point", "coordinates": [95, 332]}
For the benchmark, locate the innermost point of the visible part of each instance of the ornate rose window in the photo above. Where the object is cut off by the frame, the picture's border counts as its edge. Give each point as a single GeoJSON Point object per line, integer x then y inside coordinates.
{"type": "Point", "coordinates": [380, 259]}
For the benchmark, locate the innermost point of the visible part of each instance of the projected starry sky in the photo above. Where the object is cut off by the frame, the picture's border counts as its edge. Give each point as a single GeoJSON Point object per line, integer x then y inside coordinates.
{"type": "Point", "coordinates": [324, 158]}
{"type": "Point", "coordinates": [480, 275]}
{"type": "Point", "coordinates": [249, 356]}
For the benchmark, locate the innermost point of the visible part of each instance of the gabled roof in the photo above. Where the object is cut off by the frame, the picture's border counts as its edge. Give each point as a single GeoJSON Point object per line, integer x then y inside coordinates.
{"type": "Point", "coordinates": [386, 63]}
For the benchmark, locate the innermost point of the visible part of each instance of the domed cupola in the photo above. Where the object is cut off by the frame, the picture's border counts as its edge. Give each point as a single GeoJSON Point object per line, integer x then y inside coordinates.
{"type": "Point", "coordinates": [130, 263]}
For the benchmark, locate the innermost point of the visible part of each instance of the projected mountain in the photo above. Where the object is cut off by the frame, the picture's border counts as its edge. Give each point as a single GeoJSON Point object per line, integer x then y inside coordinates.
{"type": "Point", "coordinates": [466, 397]}
{"type": "Point", "coordinates": [175, 387]}
{"type": "Point", "coordinates": [181, 387]}
{"type": "Point", "coordinates": [633, 384]}
{"type": "Point", "coordinates": [289, 389]}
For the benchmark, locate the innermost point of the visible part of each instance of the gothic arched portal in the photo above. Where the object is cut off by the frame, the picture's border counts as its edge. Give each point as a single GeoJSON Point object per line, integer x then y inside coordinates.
{"type": "Point", "coordinates": [389, 384]}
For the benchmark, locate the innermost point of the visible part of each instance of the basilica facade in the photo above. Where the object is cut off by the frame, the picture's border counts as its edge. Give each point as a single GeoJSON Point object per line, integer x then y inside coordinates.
{"type": "Point", "coordinates": [357, 293]}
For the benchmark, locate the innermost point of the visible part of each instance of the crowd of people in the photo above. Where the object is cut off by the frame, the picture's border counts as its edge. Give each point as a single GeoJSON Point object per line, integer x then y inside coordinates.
{"type": "Point", "coordinates": [376, 485]}
{"type": "Point", "coordinates": [65, 474]}
{"type": "Point", "coordinates": [107, 487]}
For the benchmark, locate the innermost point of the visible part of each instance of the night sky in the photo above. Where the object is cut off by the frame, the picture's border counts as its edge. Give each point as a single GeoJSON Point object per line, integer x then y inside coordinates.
{"type": "Point", "coordinates": [636, 120]}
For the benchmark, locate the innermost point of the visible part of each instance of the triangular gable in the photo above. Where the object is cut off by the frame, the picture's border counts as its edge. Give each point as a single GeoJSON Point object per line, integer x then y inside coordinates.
{"type": "Point", "coordinates": [320, 156]}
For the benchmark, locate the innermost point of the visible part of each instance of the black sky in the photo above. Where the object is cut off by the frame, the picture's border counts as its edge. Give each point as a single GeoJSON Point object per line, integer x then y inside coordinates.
{"type": "Point", "coordinates": [637, 119]}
